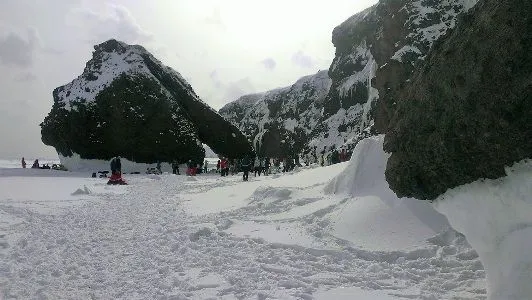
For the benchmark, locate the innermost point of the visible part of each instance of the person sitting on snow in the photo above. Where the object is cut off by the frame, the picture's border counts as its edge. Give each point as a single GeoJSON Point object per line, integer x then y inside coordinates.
{"type": "Point", "coordinates": [116, 172]}
{"type": "Point", "coordinates": [116, 165]}
{"type": "Point", "coordinates": [35, 164]}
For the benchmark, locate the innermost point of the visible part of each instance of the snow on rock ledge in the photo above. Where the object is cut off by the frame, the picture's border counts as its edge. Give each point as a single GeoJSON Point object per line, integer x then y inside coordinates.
{"type": "Point", "coordinates": [496, 217]}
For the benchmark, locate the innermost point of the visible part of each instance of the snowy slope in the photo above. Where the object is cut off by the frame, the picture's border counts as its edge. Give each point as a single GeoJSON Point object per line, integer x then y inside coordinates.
{"type": "Point", "coordinates": [103, 69]}
{"type": "Point", "coordinates": [301, 235]}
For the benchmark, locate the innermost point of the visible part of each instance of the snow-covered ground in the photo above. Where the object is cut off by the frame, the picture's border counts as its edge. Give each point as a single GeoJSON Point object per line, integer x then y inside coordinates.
{"type": "Point", "coordinates": [332, 232]}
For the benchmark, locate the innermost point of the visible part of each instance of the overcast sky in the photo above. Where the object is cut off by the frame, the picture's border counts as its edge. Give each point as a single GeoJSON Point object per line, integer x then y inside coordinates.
{"type": "Point", "coordinates": [224, 48]}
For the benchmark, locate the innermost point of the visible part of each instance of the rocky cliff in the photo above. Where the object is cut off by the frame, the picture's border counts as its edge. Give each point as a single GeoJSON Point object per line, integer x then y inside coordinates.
{"type": "Point", "coordinates": [128, 103]}
{"type": "Point", "coordinates": [376, 52]}
{"type": "Point", "coordinates": [279, 123]}
{"type": "Point", "coordinates": [466, 114]}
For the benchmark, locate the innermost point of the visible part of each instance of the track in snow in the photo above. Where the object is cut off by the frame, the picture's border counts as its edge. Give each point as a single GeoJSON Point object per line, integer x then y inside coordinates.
{"type": "Point", "coordinates": [142, 245]}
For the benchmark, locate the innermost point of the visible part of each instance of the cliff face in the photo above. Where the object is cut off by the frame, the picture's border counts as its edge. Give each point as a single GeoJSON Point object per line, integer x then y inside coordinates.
{"type": "Point", "coordinates": [376, 53]}
{"type": "Point", "coordinates": [279, 123]}
{"type": "Point", "coordinates": [128, 103]}
{"type": "Point", "coordinates": [466, 113]}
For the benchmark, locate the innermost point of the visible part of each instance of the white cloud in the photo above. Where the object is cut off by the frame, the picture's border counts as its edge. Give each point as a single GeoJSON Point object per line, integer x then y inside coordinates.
{"type": "Point", "coordinates": [269, 63]}
{"type": "Point", "coordinates": [26, 77]}
{"type": "Point", "coordinates": [111, 21]}
{"type": "Point", "coordinates": [232, 90]}
{"type": "Point", "coordinates": [302, 60]}
{"type": "Point", "coordinates": [216, 18]}
{"type": "Point", "coordinates": [19, 51]}
{"type": "Point", "coordinates": [238, 88]}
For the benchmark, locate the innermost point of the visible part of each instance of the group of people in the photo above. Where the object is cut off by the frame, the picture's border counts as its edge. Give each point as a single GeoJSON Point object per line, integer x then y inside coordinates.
{"type": "Point", "coordinates": [251, 163]}
{"type": "Point", "coordinates": [37, 165]}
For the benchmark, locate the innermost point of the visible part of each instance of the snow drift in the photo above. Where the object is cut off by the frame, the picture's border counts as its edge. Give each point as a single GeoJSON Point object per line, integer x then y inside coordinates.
{"type": "Point", "coordinates": [496, 217]}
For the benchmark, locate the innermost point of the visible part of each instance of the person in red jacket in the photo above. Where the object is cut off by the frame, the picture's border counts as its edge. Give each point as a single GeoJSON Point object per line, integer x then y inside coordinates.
{"type": "Point", "coordinates": [224, 166]}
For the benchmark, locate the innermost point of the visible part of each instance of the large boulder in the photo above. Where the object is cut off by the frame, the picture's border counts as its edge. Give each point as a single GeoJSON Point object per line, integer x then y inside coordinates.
{"type": "Point", "coordinates": [466, 114]}
{"type": "Point", "coordinates": [128, 103]}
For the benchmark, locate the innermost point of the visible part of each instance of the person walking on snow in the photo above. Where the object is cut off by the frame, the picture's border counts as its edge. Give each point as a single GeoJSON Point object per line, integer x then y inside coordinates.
{"type": "Point", "coordinates": [246, 164]}
{"type": "Point", "coordinates": [256, 166]}
{"type": "Point", "coordinates": [224, 167]}
{"type": "Point", "coordinates": [23, 163]}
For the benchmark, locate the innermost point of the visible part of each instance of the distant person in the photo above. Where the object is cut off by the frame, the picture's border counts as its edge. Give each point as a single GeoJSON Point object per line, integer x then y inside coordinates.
{"type": "Point", "coordinates": [246, 166]}
{"type": "Point", "coordinates": [205, 167]}
{"type": "Point", "coordinates": [35, 164]}
{"type": "Point", "coordinates": [116, 172]}
{"type": "Point", "coordinates": [224, 167]}
{"type": "Point", "coordinates": [116, 165]}
{"type": "Point", "coordinates": [191, 168]}
{"type": "Point", "coordinates": [257, 166]}
{"type": "Point", "coordinates": [218, 166]}
{"type": "Point", "coordinates": [175, 167]}
{"type": "Point", "coordinates": [23, 163]}
{"type": "Point", "coordinates": [267, 166]}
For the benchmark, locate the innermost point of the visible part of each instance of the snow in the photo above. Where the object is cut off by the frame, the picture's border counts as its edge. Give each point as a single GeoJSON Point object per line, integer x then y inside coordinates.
{"type": "Point", "coordinates": [496, 218]}
{"type": "Point", "coordinates": [374, 205]}
{"type": "Point", "coordinates": [306, 234]}
{"type": "Point", "coordinates": [398, 55]}
{"type": "Point", "coordinates": [77, 164]}
{"type": "Point", "coordinates": [362, 52]}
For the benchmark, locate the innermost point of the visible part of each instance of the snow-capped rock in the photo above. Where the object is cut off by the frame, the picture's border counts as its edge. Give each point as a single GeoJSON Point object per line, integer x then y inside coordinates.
{"type": "Point", "coordinates": [279, 122]}
{"type": "Point", "coordinates": [376, 51]}
{"type": "Point", "coordinates": [128, 103]}
{"type": "Point", "coordinates": [466, 113]}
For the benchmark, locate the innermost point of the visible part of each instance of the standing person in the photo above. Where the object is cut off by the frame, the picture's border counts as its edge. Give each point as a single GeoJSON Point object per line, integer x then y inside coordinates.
{"type": "Point", "coordinates": [224, 166]}
{"type": "Point", "coordinates": [256, 166]}
{"type": "Point", "coordinates": [191, 168]}
{"type": "Point", "coordinates": [205, 166]}
{"type": "Point", "coordinates": [267, 165]}
{"type": "Point", "coordinates": [175, 167]}
{"type": "Point", "coordinates": [23, 163]}
{"type": "Point", "coordinates": [218, 166]}
{"type": "Point", "coordinates": [246, 165]}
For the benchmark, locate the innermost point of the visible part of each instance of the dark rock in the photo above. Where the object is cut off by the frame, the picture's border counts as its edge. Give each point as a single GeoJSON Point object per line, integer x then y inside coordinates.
{"type": "Point", "coordinates": [467, 112]}
{"type": "Point", "coordinates": [127, 103]}
{"type": "Point", "coordinates": [279, 122]}
{"type": "Point", "coordinates": [376, 53]}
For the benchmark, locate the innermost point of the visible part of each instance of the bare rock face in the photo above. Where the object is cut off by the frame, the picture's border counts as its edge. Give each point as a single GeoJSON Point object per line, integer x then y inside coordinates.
{"type": "Point", "coordinates": [128, 103]}
{"type": "Point", "coordinates": [466, 114]}
{"type": "Point", "coordinates": [279, 122]}
{"type": "Point", "coordinates": [376, 53]}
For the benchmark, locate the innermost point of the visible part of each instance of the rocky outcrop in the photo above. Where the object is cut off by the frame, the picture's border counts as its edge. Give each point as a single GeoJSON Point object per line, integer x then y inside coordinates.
{"type": "Point", "coordinates": [128, 103]}
{"type": "Point", "coordinates": [279, 123]}
{"type": "Point", "coordinates": [376, 53]}
{"type": "Point", "coordinates": [466, 113]}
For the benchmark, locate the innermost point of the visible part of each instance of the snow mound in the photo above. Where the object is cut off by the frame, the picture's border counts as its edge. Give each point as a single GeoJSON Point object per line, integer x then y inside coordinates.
{"type": "Point", "coordinates": [77, 164]}
{"type": "Point", "coordinates": [81, 191]}
{"type": "Point", "coordinates": [501, 229]}
{"type": "Point", "coordinates": [153, 176]}
{"type": "Point", "coordinates": [268, 194]}
{"type": "Point", "coordinates": [373, 206]}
